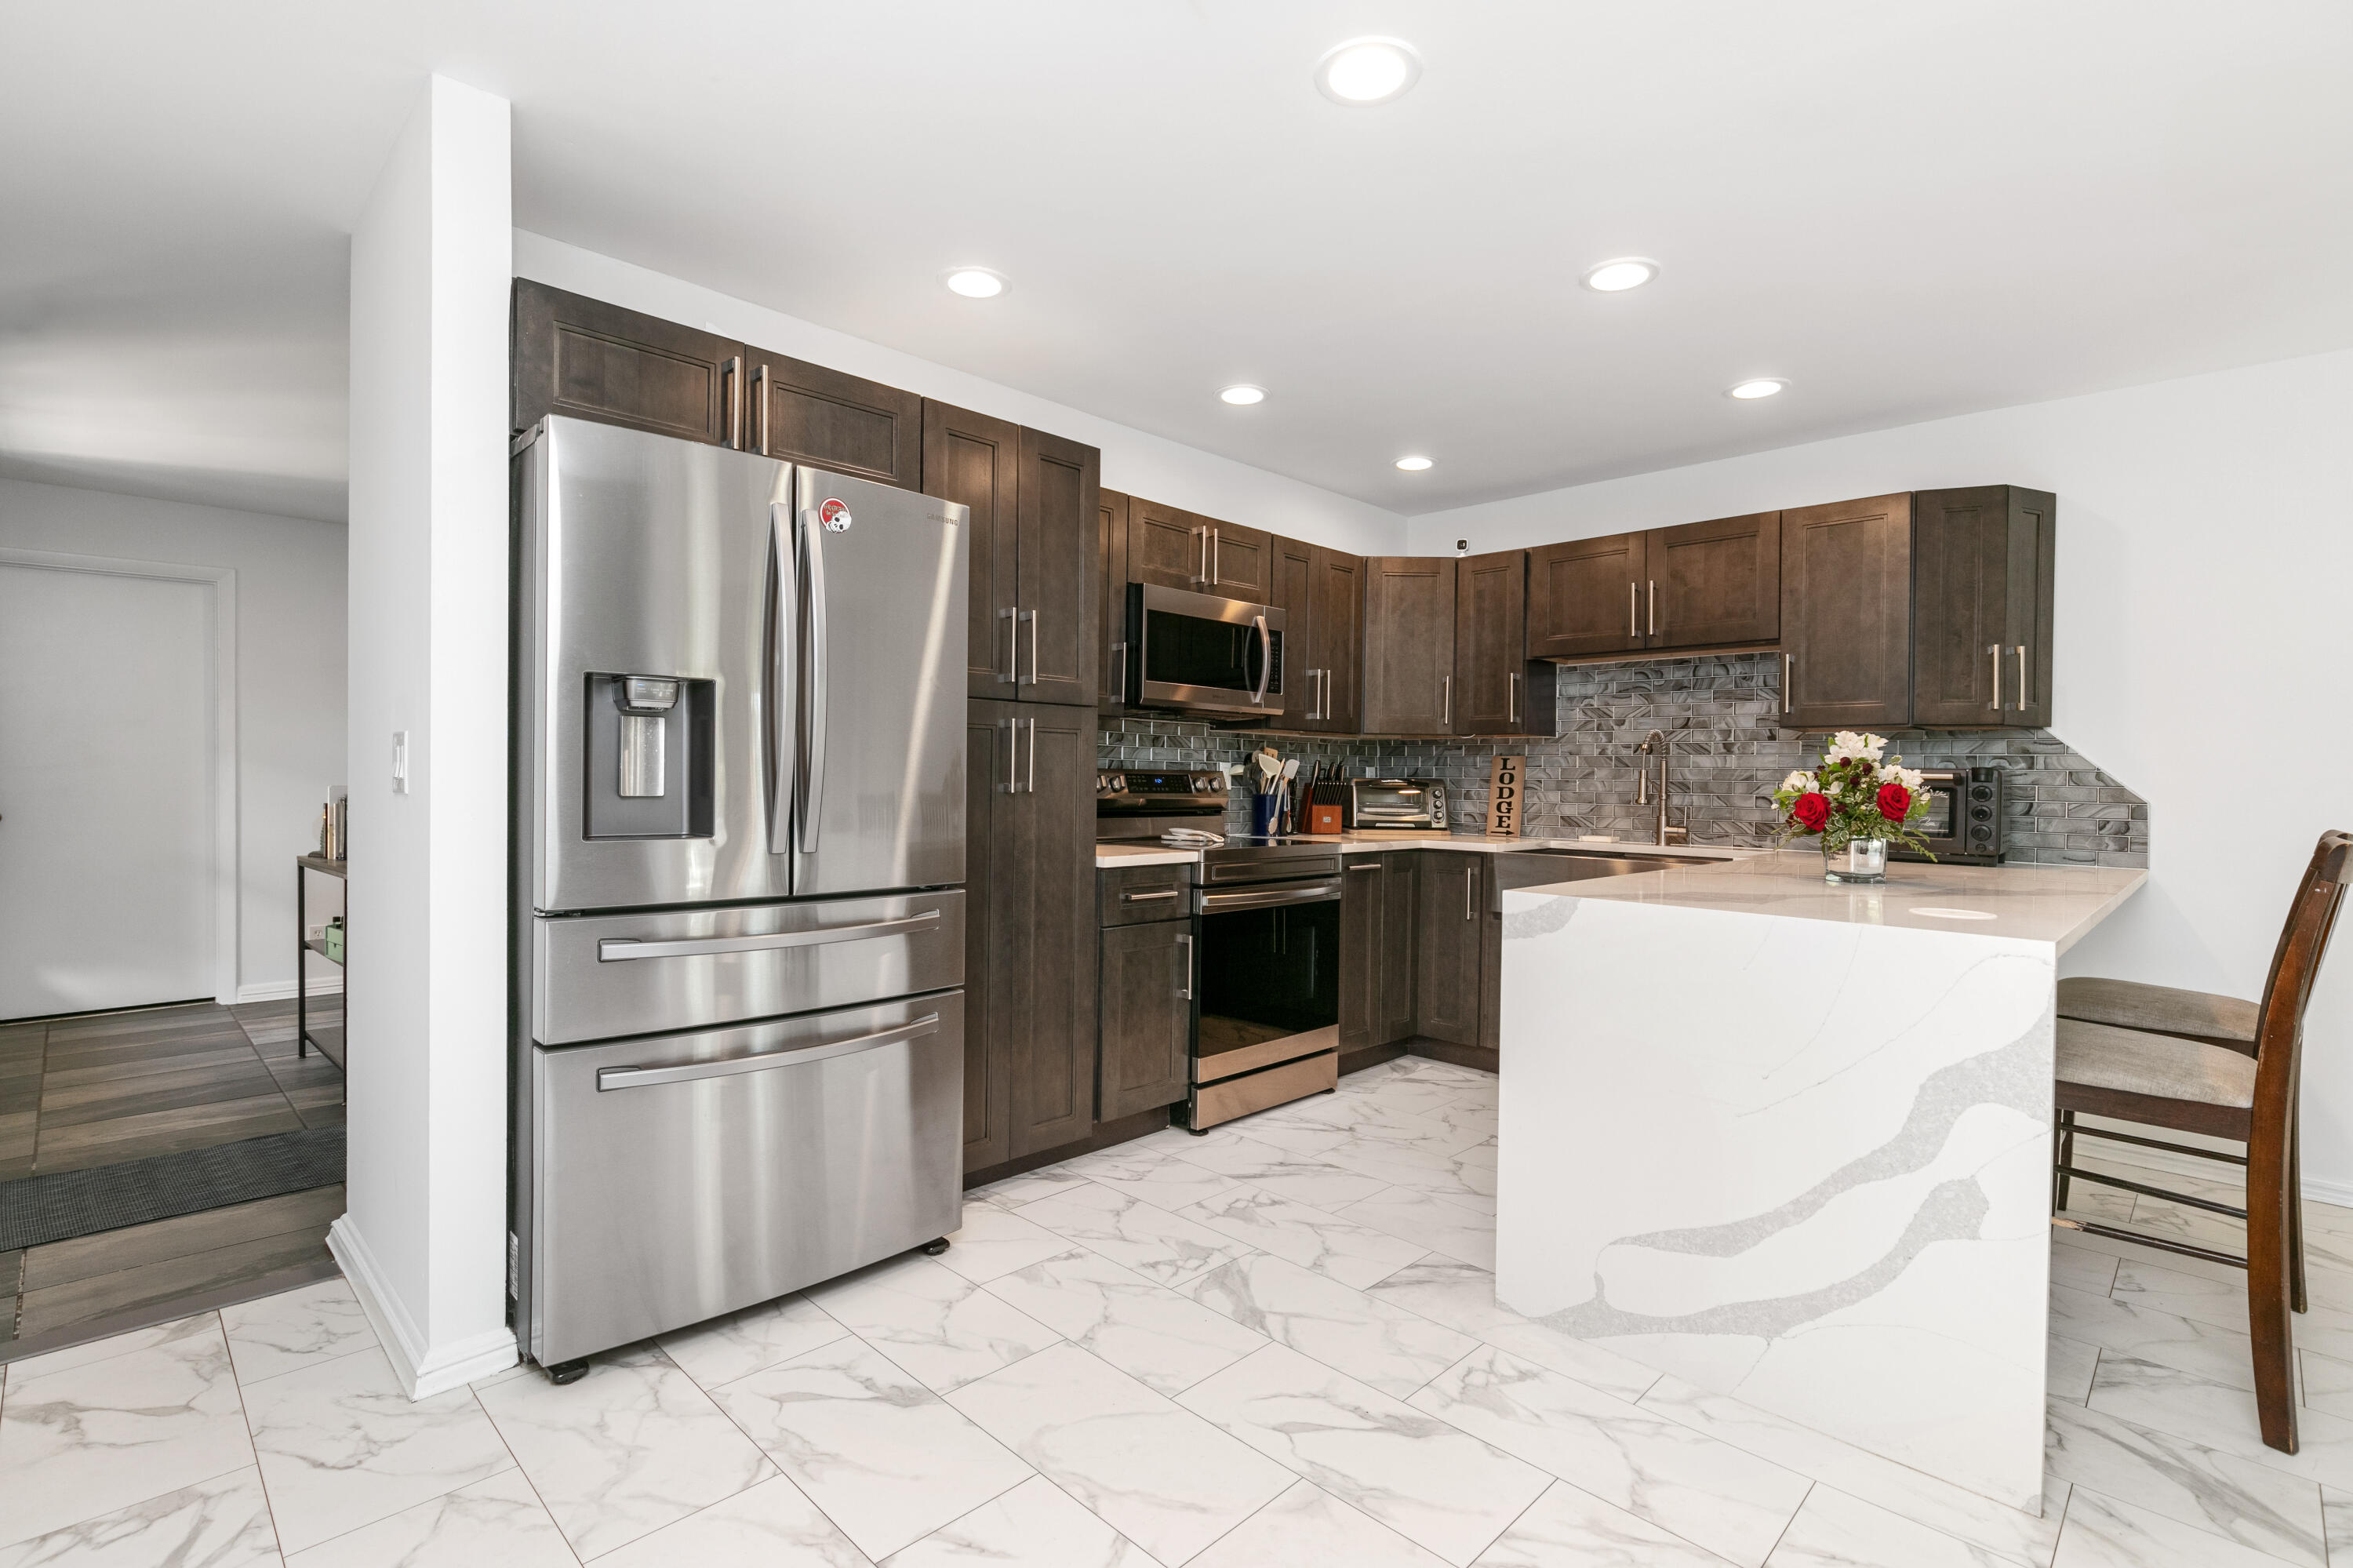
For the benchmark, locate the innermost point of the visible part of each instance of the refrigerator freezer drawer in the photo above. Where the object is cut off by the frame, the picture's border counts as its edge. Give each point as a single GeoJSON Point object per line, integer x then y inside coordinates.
{"type": "Point", "coordinates": [595, 976]}
{"type": "Point", "coordinates": [688, 1175]}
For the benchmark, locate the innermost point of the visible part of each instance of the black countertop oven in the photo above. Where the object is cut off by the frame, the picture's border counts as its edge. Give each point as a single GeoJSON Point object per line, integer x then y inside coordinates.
{"type": "Point", "coordinates": [1963, 822]}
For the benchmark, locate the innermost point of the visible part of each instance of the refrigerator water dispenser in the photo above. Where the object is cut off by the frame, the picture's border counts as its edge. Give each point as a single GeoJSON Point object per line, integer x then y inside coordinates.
{"type": "Point", "coordinates": [649, 754]}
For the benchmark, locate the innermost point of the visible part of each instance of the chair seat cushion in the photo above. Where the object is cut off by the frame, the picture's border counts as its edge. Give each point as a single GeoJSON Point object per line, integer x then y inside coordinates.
{"type": "Point", "coordinates": [2128, 1004]}
{"type": "Point", "coordinates": [2100, 1056]}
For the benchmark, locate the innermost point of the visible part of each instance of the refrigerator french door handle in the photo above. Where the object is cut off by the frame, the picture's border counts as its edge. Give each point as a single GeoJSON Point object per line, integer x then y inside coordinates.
{"type": "Point", "coordinates": [782, 637]}
{"type": "Point", "coordinates": [612, 949]}
{"type": "Point", "coordinates": [813, 683]}
{"type": "Point", "coordinates": [1265, 658]}
{"type": "Point", "coordinates": [610, 1079]}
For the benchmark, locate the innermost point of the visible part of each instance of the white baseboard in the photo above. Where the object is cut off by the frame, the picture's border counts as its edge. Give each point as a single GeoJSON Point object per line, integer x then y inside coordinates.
{"type": "Point", "coordinates": [278, 990]}
{"type": "Point", "coordinates": [423, 1371]}
{"type": "Point", "coordinates": [2317, 1189]}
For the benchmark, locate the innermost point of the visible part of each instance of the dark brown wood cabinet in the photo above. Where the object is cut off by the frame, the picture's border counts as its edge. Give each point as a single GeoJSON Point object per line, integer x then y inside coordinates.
{"type": "Point", "coordinates": [595, 361]}
{"type": "Point", "coordinates": [976, 460]}
{"type": "Point", "coordinates": [1409, 645]}
{"type": "Point", "coordinates": [1982, 602]}
{"type": "Point", "coordinates": [1846, 614]}
{"type": "Point", "coordinates": [1167, 546]}
{"type": "Point", "coordinates": [1714, 584]}
{"type": "Point", "coordinates": [1497, 689]}
{"type": "Point", "coordinates": [1585, 597]}
{"type": "Point", "coordinates": [1111, 510]}
{"type": "Point", "coordinates": [1058, 619]}
{"type": "Point", "coordinates": [1148, 1016]}
{"type": "Point", "coordinates": [846, 424]}
{"type": "Point", "coordinates": [1491, 961]}
{"type": "Point", "coordinates": [1399, 891]}
{"type": "Point", "coordinates": [1241, 561]}
{"type": "Point", "coordinates": [1031, 950]}
{"type": "Point", "coordinates": [1376, 930]}
{"type": "Point", "coordinates": [1320, 593]}
{"type": "Point", "coordinates": [1446, 946]}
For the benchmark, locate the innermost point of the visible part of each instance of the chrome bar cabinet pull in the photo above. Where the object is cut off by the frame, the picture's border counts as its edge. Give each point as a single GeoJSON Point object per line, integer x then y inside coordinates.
{"type": "Point", "coordinates": [1032, 616]}
{"type": "Point", "coordinates": [1789, 679]}
{"type": "Point", "coordinates": [2025, 687]}
{"type": "Point", "coordinates": [1993, 654]}
{"type": "Point", "coordinates": [1185, 986]}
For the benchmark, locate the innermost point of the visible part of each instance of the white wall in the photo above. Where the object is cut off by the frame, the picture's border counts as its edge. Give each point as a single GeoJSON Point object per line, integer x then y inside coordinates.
{"type": "Point", "coordinates": [289, 676]}
{"type": "Point", "coordinates": [1133, 461]}
{"type": "Point", "coordinates": [425, 1238]}
{"type": "Point", "coordinates": [2205, 542]}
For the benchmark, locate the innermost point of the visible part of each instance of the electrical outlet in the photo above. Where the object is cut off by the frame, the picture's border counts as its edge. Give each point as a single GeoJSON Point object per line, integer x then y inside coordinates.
{"type": "Point", "coordinates": [315, 933]}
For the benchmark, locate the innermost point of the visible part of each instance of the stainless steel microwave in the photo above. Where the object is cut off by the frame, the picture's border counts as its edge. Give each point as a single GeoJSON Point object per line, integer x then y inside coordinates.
{"type": "Point", "coordinates": [1202, 653]}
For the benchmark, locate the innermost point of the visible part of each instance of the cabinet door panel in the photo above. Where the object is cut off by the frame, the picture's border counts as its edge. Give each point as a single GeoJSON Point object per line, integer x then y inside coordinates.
{"type": "Point", "coordinates": [1242, 560]}
{"type": "Point", "coordinates": [1111, 554]}
{"type": "Point", "coordinates": [993, 956]}
{"type": "Point", "coordinates": [2033, 545]}
{"type": "Point", "coordinates": [1846, 614]}
{"type": "Point", "coordinates": [1489, 634]}
{"type": "Point", "coordinates": [1491, 958]}
{"type": "Point", "coordinates": [974, 460]}
{"type": "Point", "coordinates": [1399, 944]}
{"type": "Point", "coordinates": [805, 413]}
{"type": "Point", "coordinates": [1292, 591]}
{"type": "Point", "coordinates": [1166, 547]}
{"type": "Point", "coordinates": [1361, 953]}
{"type": "Point", "coordinates": [1054, 1054]}
{"type": "Point", "coordinates": [595, 361]}
{"type": "Point", "coordinates": [1146, 1016]}
{"type": "Point", "coordinates": [1446, 988]}
{"type": "Point", "coordinates": [1715, 583]}
{"type": "Point", "coordinates": [1960, 550]}
{"type": "Point", "coordinates": [1584, 597]}
{"type": "Point", "coordinates": [1337, 606]}
{"type": "Point", "coordinates": [1059, 618]}
{"type": "Point", "coordinates": [1409, 645]}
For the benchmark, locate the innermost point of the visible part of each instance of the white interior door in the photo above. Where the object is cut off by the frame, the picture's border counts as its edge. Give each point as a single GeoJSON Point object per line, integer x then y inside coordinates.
{"type": "Point", "coordinates": [106, 835]}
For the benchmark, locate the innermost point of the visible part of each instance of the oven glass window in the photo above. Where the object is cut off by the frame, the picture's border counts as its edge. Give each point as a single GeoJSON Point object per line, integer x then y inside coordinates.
{"type": "Point", "coordinates": [1937, 822]}
{"type": "Point", "coordinates": [1266, 973]}
{"type": "Point", "coordinates": [1194, 651]}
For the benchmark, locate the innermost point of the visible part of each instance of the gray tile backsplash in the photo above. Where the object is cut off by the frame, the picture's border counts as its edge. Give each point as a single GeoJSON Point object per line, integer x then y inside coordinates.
{"type": "Point", "coordinates": [1721, 715]}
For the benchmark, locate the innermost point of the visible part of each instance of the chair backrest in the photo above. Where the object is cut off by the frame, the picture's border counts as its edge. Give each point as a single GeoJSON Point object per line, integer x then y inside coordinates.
{"type": "Point", "coordinates": [2311, 921]}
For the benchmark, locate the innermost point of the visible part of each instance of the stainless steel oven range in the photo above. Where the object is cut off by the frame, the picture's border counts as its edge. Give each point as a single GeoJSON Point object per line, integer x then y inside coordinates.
{"type": "Point", "coordinates": [1267, 1009]}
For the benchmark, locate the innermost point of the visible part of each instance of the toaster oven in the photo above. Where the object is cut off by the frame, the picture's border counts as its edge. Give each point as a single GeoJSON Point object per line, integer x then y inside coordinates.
{"type": "Point", "coordinates": [1384, 802]}
{"type": "Point", "coordinates": [1963, 822]}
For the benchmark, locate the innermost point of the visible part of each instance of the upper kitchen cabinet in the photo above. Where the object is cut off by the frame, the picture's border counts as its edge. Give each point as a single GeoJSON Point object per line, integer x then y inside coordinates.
{"type": "Point", "coordinates": [1111, 567]}
{"type": "Point", "coordinates": [1241, 561]}
{"type": "Point", "coordinates": [1712, 584]}
{"type": "Point", "coordinates": [1172, 548]}
{"type": "Point", "coordinates": [1981, 606]}
{"type": "Point", "coordinates": [974, 460]}
{"type": "Point", "coordinates": [595, 361]}
{"type": "Point", "coordinates": [1320, 594]}
{"type": "Point", "coordinates": [1846, 614]}
{"type": "Point", "coordinates": [805, 413]}
{"type": "Point", "coordinates": [1410, 645]}
{"type": "Point", "coordinates": [1497, 691]}
{"type": "Point", "coordinates": [1057, 621]}
{"type": "Point", "coordinates": [1586, 597]}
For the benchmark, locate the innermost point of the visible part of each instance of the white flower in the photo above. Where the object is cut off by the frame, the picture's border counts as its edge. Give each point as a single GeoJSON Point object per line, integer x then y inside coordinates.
{"type": "Point", "coordinates": [1798, 783]}
{"type": "Point", "coordinates": [1910, 778]}
{"type": "Point", "coordinates": [1847, 745]}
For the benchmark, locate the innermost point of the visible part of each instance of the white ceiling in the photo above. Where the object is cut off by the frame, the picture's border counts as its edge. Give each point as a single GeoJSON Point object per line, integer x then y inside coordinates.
{"type": "Point", "coordinates": [1906, 210]}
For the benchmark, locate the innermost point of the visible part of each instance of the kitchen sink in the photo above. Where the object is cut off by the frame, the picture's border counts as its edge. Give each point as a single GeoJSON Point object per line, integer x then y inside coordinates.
{"type": "Point", "coordinates": [1540, 865]}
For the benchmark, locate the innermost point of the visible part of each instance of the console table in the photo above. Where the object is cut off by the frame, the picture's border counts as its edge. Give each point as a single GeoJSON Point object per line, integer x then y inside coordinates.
{"type": "Point", "coordinates": [304, 1040]}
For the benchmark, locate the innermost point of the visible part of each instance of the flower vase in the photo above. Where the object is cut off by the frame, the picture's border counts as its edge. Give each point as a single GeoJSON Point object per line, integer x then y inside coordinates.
{"type": "Point", "coordinates": [1858, 860]}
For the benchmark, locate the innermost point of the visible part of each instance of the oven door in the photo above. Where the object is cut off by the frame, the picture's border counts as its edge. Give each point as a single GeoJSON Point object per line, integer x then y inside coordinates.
{"type": "Point", "coordinates": [1270, 985]}
{"type": "Point", "coordinates": [1198, 652]}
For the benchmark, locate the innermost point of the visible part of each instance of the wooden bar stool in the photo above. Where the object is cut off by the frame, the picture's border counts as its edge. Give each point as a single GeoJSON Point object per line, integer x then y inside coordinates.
{"type": "Point", "coordinates": [2191, 1061]}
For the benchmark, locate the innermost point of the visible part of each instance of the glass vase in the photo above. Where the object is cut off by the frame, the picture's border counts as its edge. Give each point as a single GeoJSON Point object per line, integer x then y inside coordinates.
{"type": "Point", "coordinates": [1858, 860]}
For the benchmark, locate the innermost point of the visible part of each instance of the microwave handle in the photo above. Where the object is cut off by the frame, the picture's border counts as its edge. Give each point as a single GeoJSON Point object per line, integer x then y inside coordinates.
{"type": "Point", "coordinates": [1265, 658]}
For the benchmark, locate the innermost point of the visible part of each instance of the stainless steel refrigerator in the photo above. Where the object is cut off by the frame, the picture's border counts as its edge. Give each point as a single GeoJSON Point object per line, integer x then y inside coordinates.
{"type": "Point", "coordinates": [739, 803]}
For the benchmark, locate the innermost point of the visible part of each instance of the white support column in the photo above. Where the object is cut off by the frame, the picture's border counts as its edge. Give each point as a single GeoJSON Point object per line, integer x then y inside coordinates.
{"type": "Point", "coordinates": [423, 1237]}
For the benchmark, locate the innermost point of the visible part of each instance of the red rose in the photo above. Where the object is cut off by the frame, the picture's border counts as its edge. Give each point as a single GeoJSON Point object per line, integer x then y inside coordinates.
{"type": "Point", "coordinates": [1811, 812]}
{"type": "Point", "coordinates": [1894, 802]}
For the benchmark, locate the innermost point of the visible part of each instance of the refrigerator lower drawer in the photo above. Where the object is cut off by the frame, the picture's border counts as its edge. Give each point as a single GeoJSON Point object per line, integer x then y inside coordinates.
{"type": "Point", "coordinates": [596, 977]}
{"type": "Point", "coordinates": [687, 1175]}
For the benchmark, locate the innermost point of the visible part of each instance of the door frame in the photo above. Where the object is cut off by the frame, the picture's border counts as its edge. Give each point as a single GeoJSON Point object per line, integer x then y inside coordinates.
{"type": "Point", "coordinates": [222, 581]}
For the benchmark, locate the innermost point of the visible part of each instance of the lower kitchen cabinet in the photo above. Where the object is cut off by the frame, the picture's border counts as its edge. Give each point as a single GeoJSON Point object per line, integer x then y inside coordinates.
{"type": "Point", "coordinates": [1377, 949]}
{"type": "Point", "coordinates": [1029, 932]}
{"type": "Point", "coordinates": [1148, 1016]}
{"type": "Point", "coordinates": [1491, 958]}
{"type": "Point", "coordinates": [1446, 935]}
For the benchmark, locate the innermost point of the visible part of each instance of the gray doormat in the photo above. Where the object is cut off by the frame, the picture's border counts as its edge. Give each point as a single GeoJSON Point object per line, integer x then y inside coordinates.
{"type": "Point", "coordinates": [72, 1203]}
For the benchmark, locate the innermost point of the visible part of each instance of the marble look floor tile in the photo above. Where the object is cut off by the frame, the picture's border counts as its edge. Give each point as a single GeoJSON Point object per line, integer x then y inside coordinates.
{"type": "Point", "coordinates": [1341, 1249]}
{"type": "Point", "coordinates": [1408, 1097]}
{"type": "Point", "coordinates": [1999, 1531]}
{"type": "Point", "coordinates": [499, 1521]}
{"type": "Point", "coordinates": [2323, 1382]}
{"type": "Point", "coordinates": [342, 1445]}
{"type": "Point", "coordinates": [295, 1329]}
{"type": "Point", "coordinates": [82, 1439]}
{"type": "Point", "coordinates": [1308, 1525]}
{"type": "Point", "coordinates": [1430, 1481]}
{"type": "Point", "coordinates": [2133, 1252]}
{"type": "Point", "coordinates": [1406, 1139]}
{"type": "Point", "coordinates": [222, 1523]}
{"type": "Point", "coordinates": [886, 1459]}
{"type": "Point", "coordinates": [1832, 1530]}
{"type": "Point", "coordinates": [741, 1343]}
{"type": "Point", "coordinates": [2119, 1327]}
{"type": "Point", "coordinates": [1164, 1340]}
{"type": "Point", "coordinates": [1461, 1233]}
{"type": "Point", "coordinates": [2237, 1498]}
{"type": "Point", "coordinates": [1015, 1191]}
{"type": "Point", "coordinates": [1387, 1347]}
{"type": "Point", "coordinates": [632, 1447]}
{"type": "Point", "coordinates": [2102, 1533]}
{"type": "Point", "coordinates": [2222, 1299]}
{"type": "Point", "coordinates": [1161, 1476]}
{"type": "Point", "coordinates": [994, 1241]}
{"type": "Point", "coordinates": [1150, 1240]}
{"type": "Point", "coordinates": [1297, 1177]}
{"type": "Point", "coordinates": [2067, 1367]}
{"type": "Point", "coordinates": [772, 1525]}
{"type": "Point", "coordinates": [1160, 1180]}
{"type": "Point", "coordinates": [2336, 1511]}
{"type": "Point", "coordinates": [1037, 1525]}
{"type": "Point", "coordinates": [2177, 1222]}
{"type": "Point", "coordinates": [1685, 1482]}
{"type": "Point", "coordinates": [941, 1326]}
{"type": "Point", "coordinates": [2218, 1415]}
{"type": "Point", "coordinates": [2090, 1272]}
{"type": "Point", "coordinates": [1307, 1138]}
{"type": "Point", "coordinates": [201, 1325]}
{"type": "Point", "coordinates": [1462, 1295]}
{"type": "Point", "coordinates": [1571, 1528]}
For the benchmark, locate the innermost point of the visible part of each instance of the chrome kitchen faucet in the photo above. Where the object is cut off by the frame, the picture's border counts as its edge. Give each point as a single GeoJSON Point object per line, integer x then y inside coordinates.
{"type": "Point", "coordinates": [1655, 745]}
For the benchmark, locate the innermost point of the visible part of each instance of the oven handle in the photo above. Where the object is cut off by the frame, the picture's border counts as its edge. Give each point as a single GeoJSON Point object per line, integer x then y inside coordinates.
{"type": "Point", "coordinates": [609, 1079]}
{"type": "Point", "coordinates": [1268, 898]}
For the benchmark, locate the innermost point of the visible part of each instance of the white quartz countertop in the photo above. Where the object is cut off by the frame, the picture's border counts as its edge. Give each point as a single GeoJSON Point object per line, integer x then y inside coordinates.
{"type": "Point", "coordinates": [2033, 903]}
{"type": "Point", "coordinates": [1111, 855]}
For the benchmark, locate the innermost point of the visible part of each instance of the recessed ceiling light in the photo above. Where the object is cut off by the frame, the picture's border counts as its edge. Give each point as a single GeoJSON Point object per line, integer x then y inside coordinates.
{"type": "Point", "coordinates": [1413, 464]}
{"type": "Point", "coordinates": [1618, 276]}
{"type": "Point", "coordinates": [1242, 396]}
{"type": "Point", "coordinates": [1763, 386]}
{"type": "Point", "coordinates": [976, 282]}
{"type": "Point", "coordinates": [1364, 72]}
